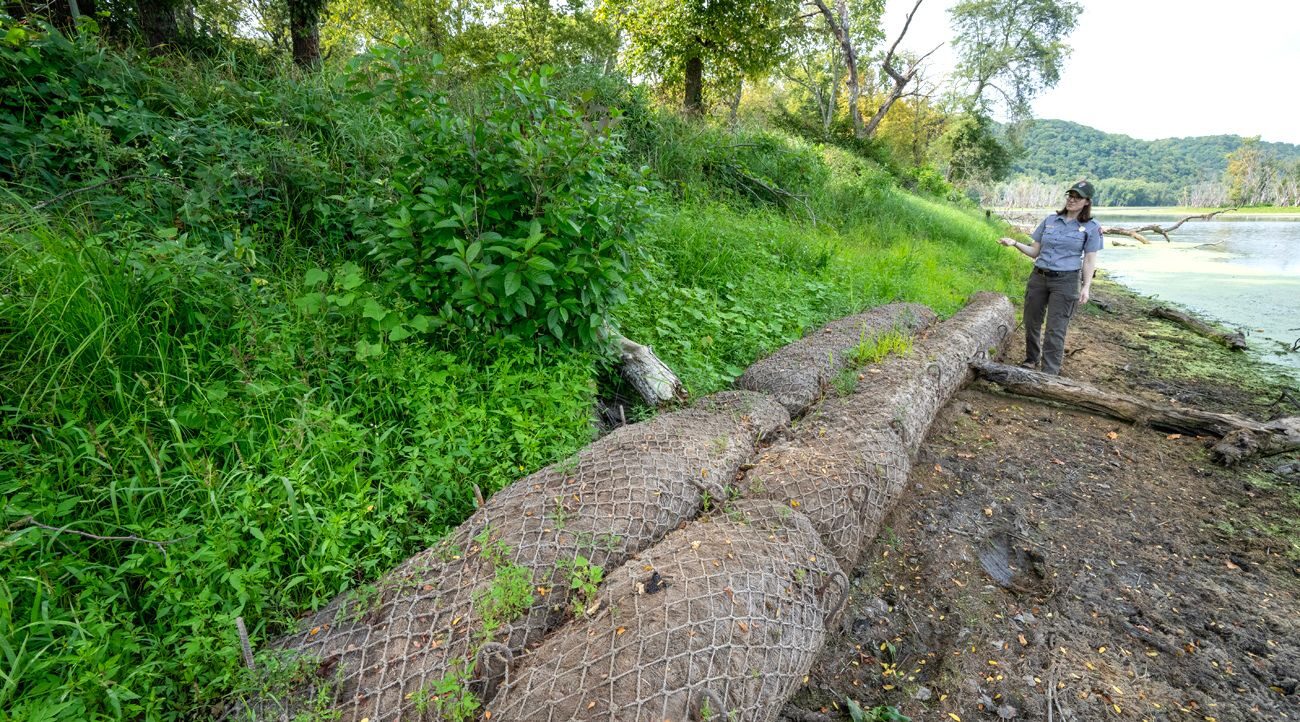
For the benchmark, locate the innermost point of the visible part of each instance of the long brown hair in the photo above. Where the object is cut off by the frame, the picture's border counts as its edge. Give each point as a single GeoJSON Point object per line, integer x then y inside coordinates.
{"type": "Point", "coordinates": [1085, 214]}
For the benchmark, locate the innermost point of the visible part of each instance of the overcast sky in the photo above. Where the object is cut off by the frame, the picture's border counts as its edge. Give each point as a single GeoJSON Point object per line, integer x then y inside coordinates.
{"type": "Point", "coordinates": [1159, 68]}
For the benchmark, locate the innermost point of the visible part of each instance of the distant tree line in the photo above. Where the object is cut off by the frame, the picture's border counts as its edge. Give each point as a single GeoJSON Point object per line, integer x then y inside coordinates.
{"type": "Point", "coordinates": [1205, 171]}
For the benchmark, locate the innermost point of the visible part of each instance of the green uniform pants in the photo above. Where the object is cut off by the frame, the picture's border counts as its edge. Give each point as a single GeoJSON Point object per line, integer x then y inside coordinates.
{"type": "Point", "coordinates": [1053, 294]}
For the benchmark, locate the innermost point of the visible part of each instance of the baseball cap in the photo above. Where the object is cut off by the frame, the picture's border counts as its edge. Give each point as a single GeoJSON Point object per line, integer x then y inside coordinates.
{"type": "Point", "coordinates": [1083, 188]}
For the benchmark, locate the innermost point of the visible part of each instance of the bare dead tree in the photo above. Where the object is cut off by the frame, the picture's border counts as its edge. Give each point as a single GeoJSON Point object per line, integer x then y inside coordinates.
{"type": "Point", "coordinates": [1136, 233]}
{"type": "Point", "coordinates": [838, 22]}
{"type": "Point", "coordinates": [901, 79]}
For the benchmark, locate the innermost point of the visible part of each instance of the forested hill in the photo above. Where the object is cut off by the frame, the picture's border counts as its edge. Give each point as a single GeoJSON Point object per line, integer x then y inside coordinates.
{"type": "Point", "coordinates": [1061, 150]}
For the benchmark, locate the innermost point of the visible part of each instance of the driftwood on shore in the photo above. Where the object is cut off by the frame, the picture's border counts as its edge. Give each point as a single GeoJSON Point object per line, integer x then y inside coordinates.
{"type": "Point", "coordinates": [1240, 437]}
{"type": "Point", "coordinates": [1233, 340]}
{"type": "Point", "coordinates": [1136, 233]}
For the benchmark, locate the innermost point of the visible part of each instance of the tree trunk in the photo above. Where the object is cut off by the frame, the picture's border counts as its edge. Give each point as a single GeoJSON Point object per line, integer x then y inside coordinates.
{"type": "Point", "coordinates": [838, 23]}
{"type": "Point", "coordinates": [693, 103]}
{"type": "Point", "coordinates": [304, 30]}
{"type": "Point", "coordinates": [1234, 341]}
{"type": "Point", "coordinates": [306, 46]}
{"type": "Point", "coordinates": [157, 22]}
{"type": "Point", "coordinates": [1241, 437]}
{"type": "Point", "coordinates": [651, 377]}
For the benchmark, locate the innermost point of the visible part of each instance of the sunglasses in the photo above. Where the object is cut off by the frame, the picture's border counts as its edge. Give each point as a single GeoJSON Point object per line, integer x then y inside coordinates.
{"type": "Point", "coordinates": [1074, 196]}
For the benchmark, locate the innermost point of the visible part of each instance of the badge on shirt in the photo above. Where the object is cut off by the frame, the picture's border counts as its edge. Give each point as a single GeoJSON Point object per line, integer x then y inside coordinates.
{"type": "Point", "coordinates": [1082, 229]}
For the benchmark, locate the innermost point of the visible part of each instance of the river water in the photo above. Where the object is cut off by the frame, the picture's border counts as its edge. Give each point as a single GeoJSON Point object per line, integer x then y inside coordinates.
{"type": "Point", "coordinates": [1241, 270]}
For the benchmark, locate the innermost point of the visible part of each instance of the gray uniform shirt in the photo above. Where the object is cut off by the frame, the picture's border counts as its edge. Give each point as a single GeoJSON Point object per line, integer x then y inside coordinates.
{"type": "Point", "coordinates": [1064, 242]}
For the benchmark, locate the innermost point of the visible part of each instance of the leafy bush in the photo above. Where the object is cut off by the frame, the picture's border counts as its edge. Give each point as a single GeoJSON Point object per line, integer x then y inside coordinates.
{"type": "Point", "coordinates": [513, 214]}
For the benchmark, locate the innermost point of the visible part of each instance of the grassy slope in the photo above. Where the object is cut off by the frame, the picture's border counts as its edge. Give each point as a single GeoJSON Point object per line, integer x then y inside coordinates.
{"type": "Point", "coordinates": [171, 387]}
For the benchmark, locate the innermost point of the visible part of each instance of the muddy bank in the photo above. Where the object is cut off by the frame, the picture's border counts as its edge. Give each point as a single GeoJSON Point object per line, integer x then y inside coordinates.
{"type": "Point", "coordinates": [1047, 563]}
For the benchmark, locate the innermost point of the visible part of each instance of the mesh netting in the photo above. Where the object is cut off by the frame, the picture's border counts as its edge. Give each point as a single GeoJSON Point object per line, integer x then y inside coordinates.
{"type": "Point", "coordinates": [680, 656]}
{"type": "Point", "coordinates": [721, 620]}
{"type": "Point", "coordinates": [904, 393]}
{"type": "Point", "coordinates": [851, 456]}
{"type": "Point", "coordinates": [798, 373]}
{"type": "Point", "coordinates": [838, 485]}
{"type": "Point", "coordinates": [450, 620]}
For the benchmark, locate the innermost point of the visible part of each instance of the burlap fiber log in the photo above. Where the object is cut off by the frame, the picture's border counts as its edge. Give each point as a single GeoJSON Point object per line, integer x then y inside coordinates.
{"type": "Point", "coordinates": [850, 457]}
{"type": "Point", "coordinates": [799, 373]}
{"type": "Point", "coordinates": [719, 621]}
{"type": "Point", "coordinates": [833, 484]}
{"type": "Point", "coordinates": [456, 615]}
{"type": "Point", "coordinates": [678, 658]}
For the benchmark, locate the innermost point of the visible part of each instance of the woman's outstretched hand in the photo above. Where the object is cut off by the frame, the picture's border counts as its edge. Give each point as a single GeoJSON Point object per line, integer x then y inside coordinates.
{"type": "Point", "coordinates": [1007, 241]}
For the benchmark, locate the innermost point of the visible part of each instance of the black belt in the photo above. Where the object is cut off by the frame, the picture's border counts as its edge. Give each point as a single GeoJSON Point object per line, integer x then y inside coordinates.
{"type": "Point", "coordinates": [1053, 274]}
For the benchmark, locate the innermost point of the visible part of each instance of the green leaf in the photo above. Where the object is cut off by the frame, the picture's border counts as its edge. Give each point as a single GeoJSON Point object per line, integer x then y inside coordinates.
{"type": "Point", "coordinates": [315, 276]}
{"type": "Point", "coordinates": [350, 277]}
{"type": "Point", "coordinates": [366, 349]}
{"type": "Point", "coordinates": [310, 303]}
{"type": "Point", "coordinates": [374, 309]}
{"type": "Point", "coordinates": [512, 283]}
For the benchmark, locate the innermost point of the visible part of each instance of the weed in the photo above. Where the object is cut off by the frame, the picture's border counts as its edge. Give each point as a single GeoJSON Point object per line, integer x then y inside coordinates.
{"type": "Point", "coordinates": [449, 697]}
{"type": "Point", "coordinates": [845, 382]}
{"type": "Point", "coordinates": [881, 713]}
{"type": "Point", "coordinates": [583, 580]}
{"type": "Point", "coordinates": [560, 514]}
{"type": "Point", "coordinates": [871, 349]}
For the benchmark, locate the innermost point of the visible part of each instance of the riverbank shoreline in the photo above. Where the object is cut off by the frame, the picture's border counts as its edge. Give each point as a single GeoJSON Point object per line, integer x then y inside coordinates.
{"type": "Point", "coordinates": [1145, 582]}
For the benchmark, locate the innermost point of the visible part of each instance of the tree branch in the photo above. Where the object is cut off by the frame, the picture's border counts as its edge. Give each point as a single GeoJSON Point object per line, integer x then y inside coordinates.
{"type": "Point", "coordinates": [1136, 233]}
{"type": "Point", "coordinates": [28, 522]}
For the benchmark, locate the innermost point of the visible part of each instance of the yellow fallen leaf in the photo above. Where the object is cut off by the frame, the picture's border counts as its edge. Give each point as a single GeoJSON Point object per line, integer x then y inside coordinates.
{"type": "Point", "coordinates": [1112, 435]}
{"type": "Point", "coordinates": [1101, 650]}
{"type": "Point", "coordinates": [954, 716]}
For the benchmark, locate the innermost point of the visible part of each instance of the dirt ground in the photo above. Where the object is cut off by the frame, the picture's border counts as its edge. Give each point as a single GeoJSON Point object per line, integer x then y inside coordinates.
{"type": "Point", "coordinates": [1051, 564]}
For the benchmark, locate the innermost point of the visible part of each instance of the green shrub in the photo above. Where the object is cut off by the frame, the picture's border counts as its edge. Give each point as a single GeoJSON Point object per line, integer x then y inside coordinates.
{"type": "Point", "coordinates": [511, 215]}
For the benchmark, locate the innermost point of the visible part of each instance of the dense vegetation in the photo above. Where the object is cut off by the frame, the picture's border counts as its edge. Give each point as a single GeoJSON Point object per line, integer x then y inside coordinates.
{"type": "Point", "coordinates": [263, 333]}
{"type": "Point", "coordinates": [1187, 171]}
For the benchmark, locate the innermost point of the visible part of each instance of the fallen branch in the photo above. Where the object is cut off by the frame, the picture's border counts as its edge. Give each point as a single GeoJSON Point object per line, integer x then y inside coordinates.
{"type": "Point", "coordinates": [1136, 233]}
{"type": "Point", "coordinates": [1241, 437]}
{"type": "Point", "coordinates": [28, 522]}
{"type": "Point", "coordinates": [652, 379]}
{"type": "Point", "coordinates": [1234, 340]}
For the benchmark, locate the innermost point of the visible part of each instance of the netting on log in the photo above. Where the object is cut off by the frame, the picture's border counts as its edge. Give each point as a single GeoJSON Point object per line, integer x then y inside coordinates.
{"type": "Point", "coordinates": [798, 373]}
{"type": "Point", "coordinates": [454, 616]}
{"type": "Point", "coordinates": [838, 486]}
{"type": "Point", "coordinates": [850, 457]}
{"type": "Point", "coordinates": [721, 620]}
{"type": "Point", "coordinates": [674, 656]}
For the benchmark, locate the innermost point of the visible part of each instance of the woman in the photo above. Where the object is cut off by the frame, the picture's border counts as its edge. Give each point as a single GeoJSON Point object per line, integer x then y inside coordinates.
{"type": "Point", "coordinates": [1065, 255]}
